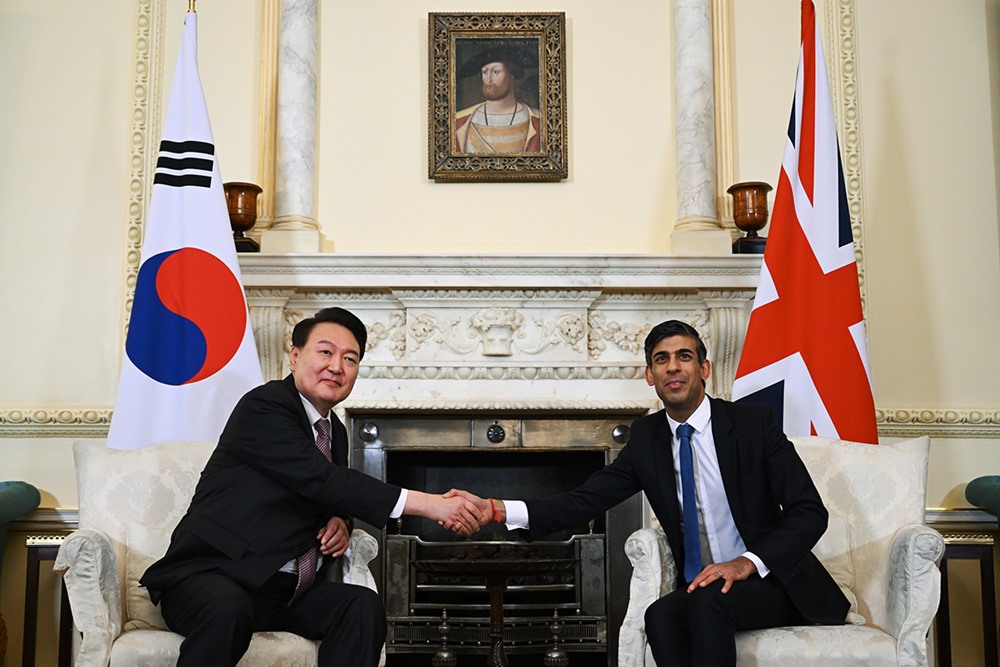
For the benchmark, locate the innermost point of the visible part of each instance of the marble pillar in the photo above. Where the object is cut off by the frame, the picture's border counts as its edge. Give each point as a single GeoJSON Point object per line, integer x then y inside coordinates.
{"type": "Point", "coordinates": [698, 229]}
{"type": "Point", "coordinates": [295, 229]}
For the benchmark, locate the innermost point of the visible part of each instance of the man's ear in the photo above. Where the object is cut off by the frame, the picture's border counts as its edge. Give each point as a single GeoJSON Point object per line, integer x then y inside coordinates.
{"type": "Point", "coordinates": [293, 356]}
{"type": "Point", "coordinates": [649, 376]}
{"type": "Point", "coordinates": [706, 369]}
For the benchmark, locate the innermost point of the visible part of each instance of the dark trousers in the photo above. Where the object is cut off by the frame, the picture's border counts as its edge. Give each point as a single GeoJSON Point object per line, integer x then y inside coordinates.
{"type": "Point", "coordinates": [698, 629]}
{"type": "Point", "coordinates": [217, 617]}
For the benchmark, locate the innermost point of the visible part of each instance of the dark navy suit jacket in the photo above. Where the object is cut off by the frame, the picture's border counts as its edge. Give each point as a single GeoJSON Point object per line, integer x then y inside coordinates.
{"type": "Point", "coordinates": [774, 503]}
{"type": "Point", "coordinates": [264, 494]}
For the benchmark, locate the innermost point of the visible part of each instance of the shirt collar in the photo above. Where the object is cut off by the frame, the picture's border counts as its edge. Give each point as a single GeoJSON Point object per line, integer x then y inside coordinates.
{"type": "Point", "coordinates": [699, 419]}
{"type": "Point", "coordinates": [311, 412]}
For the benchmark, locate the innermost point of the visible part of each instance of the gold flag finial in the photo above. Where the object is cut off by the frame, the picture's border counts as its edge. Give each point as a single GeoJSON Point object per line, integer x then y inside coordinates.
{"type": "Point", "coordinates": [191, 5]}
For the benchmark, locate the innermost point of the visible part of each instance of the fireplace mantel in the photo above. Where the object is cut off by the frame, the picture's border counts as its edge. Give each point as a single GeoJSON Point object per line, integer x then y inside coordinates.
{"type": "Point", "coordinates": [559, 332]}
{"type": "Point", "coordinates": [650, 272]}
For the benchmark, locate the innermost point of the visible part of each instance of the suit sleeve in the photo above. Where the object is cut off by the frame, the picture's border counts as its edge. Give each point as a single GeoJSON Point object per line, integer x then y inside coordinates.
{"type": "Point", "coordinates": [265, 432]}
{"type": "Point", "coordinates": [803, 517]}
{"type": "Point", "coordinates": [603, 490]}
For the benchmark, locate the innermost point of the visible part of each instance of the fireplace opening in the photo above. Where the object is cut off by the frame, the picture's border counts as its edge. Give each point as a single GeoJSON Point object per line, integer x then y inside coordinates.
{"type": "Point", "coordinates": [579, 601]}
{"type": "Point", "coordinates": [509, 474]}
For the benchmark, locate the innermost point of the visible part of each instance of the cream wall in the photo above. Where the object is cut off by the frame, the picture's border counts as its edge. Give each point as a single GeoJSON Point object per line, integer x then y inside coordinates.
{"type": "Point", "coordinates": [375, 196]}
{"type": "Point", "coordinates": [927, 80]}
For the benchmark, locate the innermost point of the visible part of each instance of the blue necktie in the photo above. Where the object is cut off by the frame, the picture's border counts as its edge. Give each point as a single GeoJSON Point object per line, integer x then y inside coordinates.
{"type": "Point", "coordinates": [692, 544]}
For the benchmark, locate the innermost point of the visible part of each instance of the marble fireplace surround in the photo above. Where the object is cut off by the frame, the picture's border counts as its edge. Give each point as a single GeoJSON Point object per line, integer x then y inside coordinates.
{"type": "Point", "coordinates": [488, 332]}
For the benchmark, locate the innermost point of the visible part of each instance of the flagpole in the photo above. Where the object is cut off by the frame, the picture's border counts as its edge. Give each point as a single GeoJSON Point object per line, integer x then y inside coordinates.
{"type": "Point", "coordinates": [191, 6]}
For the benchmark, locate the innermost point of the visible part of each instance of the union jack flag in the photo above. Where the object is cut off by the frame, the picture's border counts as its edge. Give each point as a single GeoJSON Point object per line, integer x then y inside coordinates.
{"type": "Point", "coordinates": [805, 351]}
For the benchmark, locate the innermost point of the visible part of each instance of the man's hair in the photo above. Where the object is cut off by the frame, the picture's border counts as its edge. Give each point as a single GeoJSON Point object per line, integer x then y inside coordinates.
{"type": "Point", "coordinates": [334, 315]}
{"type": "Point", "coordinates": [669, 329]}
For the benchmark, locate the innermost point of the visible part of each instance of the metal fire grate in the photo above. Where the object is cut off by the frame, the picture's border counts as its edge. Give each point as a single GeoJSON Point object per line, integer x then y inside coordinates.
{"type": "Point", "coordinates": [527, 455]}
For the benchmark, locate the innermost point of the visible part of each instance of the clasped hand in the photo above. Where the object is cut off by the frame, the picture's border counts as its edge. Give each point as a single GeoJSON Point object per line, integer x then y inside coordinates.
{"type": "Point", "coordinates": [469, 512]}
{"type": "Point", "coordinates": [334, 537]}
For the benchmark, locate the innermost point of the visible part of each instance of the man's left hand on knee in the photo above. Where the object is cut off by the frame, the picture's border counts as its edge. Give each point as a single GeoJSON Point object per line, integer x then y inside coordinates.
{"type": "Point", "coordinates": [738, 569]}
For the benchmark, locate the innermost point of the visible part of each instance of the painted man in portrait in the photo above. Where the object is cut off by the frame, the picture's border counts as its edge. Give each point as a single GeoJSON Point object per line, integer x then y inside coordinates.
{"type": "Point", "coordinates": [499, 123]}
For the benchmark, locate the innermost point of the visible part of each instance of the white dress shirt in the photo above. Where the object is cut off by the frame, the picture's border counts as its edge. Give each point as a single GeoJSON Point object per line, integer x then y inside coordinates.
{"type": "Point", "coordinates": [723, 538]}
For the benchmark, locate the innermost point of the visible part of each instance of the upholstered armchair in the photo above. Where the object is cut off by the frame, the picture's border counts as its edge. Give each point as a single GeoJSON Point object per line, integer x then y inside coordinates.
{"type": "Point", "coordinates": [130, 501]}
{"type": "Point", "coordinates": [876, 547]}
{"type": "Point", "coordinates": [16, 500]}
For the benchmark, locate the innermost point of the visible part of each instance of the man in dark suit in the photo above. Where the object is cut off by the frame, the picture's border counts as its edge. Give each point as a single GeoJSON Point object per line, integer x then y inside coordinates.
{"type": "Point", "coordinates": [273, 500]}
{"type": "Point", "coordinates": [758, 513]}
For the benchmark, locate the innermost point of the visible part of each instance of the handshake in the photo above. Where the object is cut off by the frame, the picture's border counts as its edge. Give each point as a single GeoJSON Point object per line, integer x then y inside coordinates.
{"type": "Point", "coordinates": [465, 513]}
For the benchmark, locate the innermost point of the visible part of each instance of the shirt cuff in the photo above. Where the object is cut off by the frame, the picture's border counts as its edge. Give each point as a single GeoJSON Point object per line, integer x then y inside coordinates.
{"type": "Point", "coordinates": [762, 569]}
{"type": "Point", "coordinates": [517, 514]}
{"type": "Point", "coordinates": [397, 511]}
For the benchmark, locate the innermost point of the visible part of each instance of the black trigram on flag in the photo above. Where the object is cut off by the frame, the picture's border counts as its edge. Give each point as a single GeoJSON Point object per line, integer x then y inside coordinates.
{"type": "Point", "coordinates": [184, 163]}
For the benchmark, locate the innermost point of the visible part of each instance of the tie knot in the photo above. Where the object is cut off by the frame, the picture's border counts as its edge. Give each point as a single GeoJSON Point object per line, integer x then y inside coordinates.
{"type": "Point", "coordinates": [685, 431]}
{"type": "Point", "coordinates": [323, 427]}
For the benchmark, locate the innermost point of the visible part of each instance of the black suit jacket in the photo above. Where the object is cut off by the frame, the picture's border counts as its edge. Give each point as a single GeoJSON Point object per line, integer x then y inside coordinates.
{"type": "Point", "coordinates": [774, 503]}
{"type": "Point", "coordinates": [264, 493]}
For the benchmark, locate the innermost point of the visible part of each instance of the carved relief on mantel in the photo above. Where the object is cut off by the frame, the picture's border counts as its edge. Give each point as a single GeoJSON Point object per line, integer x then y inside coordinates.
{"type": "Point", "coordinates": [536, 333]}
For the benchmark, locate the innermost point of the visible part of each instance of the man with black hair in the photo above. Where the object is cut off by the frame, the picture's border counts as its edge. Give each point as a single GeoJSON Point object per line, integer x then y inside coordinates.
{"type": "Point", "coordinates": [274, 499]}
{"type": "Point", "coordinates": [737, 504]}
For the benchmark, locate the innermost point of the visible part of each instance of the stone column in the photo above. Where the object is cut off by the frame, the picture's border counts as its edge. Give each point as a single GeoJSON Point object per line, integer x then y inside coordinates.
{"type": "Point", "coordinates": [728, 316]}
{"type": "Point", "coordinates": [295, 229]}
{"type": "Point", "coordinates": [267, 318]}
{"type": "Point", "coordinates": [698, 229]}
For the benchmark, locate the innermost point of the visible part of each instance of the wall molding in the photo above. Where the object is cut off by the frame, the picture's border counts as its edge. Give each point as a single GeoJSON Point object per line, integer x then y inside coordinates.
{"type": "Point", "coordinates": [843, 71]}
{"type": "Point", "coordinates": [93, 421]}
{"type": "Point", "coordinates": [937, 423]}
{"type": "Point", "coordinates": [55, 422]}
{"type": "Point", "coordinates": [148, 42]}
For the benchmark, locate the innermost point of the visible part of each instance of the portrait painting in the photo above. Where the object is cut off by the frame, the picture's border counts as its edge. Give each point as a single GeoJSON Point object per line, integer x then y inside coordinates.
{"type": "Point", "coordinates": [497, 97]}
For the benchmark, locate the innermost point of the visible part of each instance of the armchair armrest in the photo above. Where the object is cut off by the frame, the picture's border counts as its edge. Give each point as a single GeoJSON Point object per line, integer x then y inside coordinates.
{"type": "Point", "coordinates": [353, 565]}
{"type": "Point", "coordinates": [89, 567]}
{"type": "Point", "coordinates": [653, 575]}
{"type": "Point", "coordinates": [914, 589]}
{"type": "Point", "coordinates": [362, 549]}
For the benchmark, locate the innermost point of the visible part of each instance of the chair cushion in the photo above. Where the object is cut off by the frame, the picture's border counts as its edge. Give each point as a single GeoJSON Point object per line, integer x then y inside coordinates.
{"type": "Point", "coordinates": [160, 648]}
{"type": "Point", "coordinates": [870, 491]}
{"type": "Point", "coordinates": [834, 551]}
{"type": "Point", "coordinates": [816, 646]}
{"type": "Point", "coordinates": [144, 545]}
{"type": "Point", "coordinates": [136, 498]}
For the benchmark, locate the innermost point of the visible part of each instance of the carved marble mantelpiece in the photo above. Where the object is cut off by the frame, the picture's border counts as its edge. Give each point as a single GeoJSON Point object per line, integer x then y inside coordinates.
{"type": "Point", "coordinates": [493, 332]}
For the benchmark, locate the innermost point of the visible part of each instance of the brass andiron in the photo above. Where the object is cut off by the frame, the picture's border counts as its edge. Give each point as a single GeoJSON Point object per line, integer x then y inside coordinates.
{"type": "Point", "coordinates": [556, 657]}
{"type": "Point", "coordinates": [444, 657]}
{"type": "Point", "coordinates": [750, 215]}
{"type": "Point", "coordinates": [241, 200]}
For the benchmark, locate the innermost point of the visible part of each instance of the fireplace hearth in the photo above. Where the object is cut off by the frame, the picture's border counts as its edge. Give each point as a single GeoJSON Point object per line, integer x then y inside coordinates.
{"type": "Point", "coordinates": [511, 456]}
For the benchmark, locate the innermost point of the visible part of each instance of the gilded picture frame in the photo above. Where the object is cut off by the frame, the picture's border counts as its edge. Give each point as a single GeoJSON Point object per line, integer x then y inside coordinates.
{"type": "Point", "coordinates": [497, 107]}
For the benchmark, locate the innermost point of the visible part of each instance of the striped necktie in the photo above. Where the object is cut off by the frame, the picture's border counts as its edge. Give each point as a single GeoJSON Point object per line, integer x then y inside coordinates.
{"type": "Point", "coordinates": [307, 562]}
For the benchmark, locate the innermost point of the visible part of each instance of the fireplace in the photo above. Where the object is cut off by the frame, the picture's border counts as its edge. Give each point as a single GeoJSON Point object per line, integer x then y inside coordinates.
{"type": "Point", "coordinates": [512, 456]}
{"type": "Point", "coordinates": [460, 344]}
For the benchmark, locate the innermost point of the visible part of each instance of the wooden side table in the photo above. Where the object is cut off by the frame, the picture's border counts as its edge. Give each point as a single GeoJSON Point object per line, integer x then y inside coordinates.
{"type": "Point", "coordinates": [44, 548]}
{"type": "Point", "coordinates": [965, 542]}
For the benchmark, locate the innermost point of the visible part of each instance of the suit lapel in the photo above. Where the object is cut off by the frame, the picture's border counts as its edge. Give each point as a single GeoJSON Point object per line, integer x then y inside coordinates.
{"type": "Point", "coordinates": [338, 441]}
{"type": "Point", "coordinates": [726, 450]}
{"type": "Point", "coordinates": [338, 436]}
{"type": "Point", "coordinates": [300, 409]}
{"type": "Point", "coordinates": [663, 460]}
